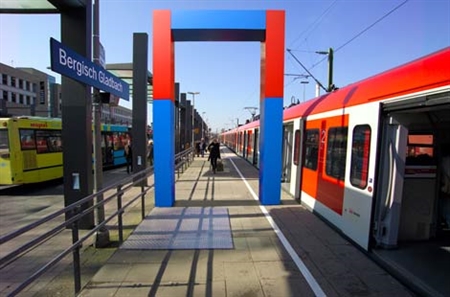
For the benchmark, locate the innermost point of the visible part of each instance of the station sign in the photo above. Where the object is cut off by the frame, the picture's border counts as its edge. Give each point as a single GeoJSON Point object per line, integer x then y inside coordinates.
{"type": "Point", "coordinates": [68, 63]}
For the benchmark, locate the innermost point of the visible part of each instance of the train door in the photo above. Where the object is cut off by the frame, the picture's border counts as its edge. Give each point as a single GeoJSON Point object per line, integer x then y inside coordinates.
{"type": "Point", "coordinates": [287, 154]}
{"type": "Point", "coordinates": [239, 143]}
{"type": "Point", "coordinates": [409, 204]}
{"type": "Point", "coordinates": [338, 169]}
{"type": "Point", "coordinates": [324, 164]}
{"type": "Point", "coordinates": [244, 145]}
{"type": "Point", "coordinates": [249, 147]}
{"type": "Point", "coordinates": [256, 148]}
{"type": "Point", "coordinates": [361, 166]}
{"type": "Point", "coordinates": [298, 160]}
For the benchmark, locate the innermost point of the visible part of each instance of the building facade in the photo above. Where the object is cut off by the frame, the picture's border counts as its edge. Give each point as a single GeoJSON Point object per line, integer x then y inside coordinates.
{"type": "Point", "coordinates": [30, 92]}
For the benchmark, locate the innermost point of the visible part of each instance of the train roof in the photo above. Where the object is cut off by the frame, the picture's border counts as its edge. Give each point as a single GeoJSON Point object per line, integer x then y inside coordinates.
{"type": "Point", "coordinates": [431, 71]}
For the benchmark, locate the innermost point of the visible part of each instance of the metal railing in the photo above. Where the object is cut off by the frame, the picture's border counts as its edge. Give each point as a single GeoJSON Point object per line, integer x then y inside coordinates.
{"type": "Point", "coordinates": [74, 214]}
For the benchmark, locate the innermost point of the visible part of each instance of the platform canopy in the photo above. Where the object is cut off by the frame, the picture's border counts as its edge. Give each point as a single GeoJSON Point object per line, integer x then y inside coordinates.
{"type": "Point", "coordinates": [124, 71]}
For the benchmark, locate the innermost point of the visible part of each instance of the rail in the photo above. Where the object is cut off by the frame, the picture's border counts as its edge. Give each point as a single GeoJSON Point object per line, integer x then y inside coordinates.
{"type": "Point", "coordinates": [74, 214]}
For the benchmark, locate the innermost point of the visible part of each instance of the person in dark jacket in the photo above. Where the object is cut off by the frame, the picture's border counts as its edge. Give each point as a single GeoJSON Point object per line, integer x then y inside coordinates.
{"type": "Point", "coordinates": [129, 156]}
{"type": "Point", "coordinates": [150, 152]}
{"type": "Point", "coordinates": [214, 153]}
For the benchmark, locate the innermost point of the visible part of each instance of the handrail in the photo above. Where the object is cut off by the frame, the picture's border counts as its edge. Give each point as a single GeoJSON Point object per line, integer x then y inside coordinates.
{"type": "Point", "coordinates": [182, 159]}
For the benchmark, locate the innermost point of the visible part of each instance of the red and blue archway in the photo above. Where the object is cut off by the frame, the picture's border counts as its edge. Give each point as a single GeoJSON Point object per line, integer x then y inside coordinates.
{"type": "Point", "coordinates": [262, 26]}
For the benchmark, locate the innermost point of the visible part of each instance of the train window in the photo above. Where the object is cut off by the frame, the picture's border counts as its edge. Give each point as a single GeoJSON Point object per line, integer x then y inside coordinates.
{"type": "Point", "coordinates": [296, 147]}
{"type": "Point", "coordinates": [27, 139]}
{"type": "Point", "coordinates": [311, 149]}
{"type": "Point", "coordinates": [336, 152]}
{"type": "Point", "coordinates": [420, 150]}
{"type": "Point", "coordinates": [359, 167]}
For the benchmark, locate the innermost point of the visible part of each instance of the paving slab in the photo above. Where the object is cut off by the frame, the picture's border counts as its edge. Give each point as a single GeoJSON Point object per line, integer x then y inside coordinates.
{"type": "Point", "coordinates": [258, 264]}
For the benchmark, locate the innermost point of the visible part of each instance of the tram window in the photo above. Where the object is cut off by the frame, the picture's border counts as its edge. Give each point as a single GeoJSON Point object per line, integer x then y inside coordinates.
{"type": "Point", "coordinates": [41, 141]}
{"type": "Point", "coordinates": [55, 141]}
{"type": "Point", "coordinates": [27, 139]}
{"type": "Point", "coordinates": [336, 152]}
{"type": "Point", "coordinates": [4, 142]}
{"type": "Point", "coordinates": [359, 166]}
{"type": "Point", "coordinates": [311, 149]}
{"type": "Point", "coordinates": [296, 147]}
{"type": "Point", "coordinates": [120, 139]}
{"type": "Point", "coordinates": [48, 141]}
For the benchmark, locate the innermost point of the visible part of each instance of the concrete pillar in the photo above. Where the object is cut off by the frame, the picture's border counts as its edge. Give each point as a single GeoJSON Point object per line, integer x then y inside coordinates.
{"type": "Point", "coordinates": [76, 33]}
{"type": "Point", "coordinates": [139, 121]}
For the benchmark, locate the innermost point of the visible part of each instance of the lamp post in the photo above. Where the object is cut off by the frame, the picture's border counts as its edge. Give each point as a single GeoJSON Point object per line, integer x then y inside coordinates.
{"type": "Point", "coordinates": [304, 82]}
{"type": "Point", "coordinates": [330, 52]}
{"type": "Point", "coordinates": [203, 132]}
{"type": "Point", "coordinates": [193, 114]}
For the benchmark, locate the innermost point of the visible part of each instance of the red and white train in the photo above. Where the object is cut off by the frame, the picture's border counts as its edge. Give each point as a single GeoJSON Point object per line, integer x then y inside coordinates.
{"type": "Point", "coordinates": [367, 157]}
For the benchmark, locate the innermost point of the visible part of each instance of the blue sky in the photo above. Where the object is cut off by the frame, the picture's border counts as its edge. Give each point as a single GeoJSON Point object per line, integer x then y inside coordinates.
{"type": "Point", "coordinates": [227, 74]}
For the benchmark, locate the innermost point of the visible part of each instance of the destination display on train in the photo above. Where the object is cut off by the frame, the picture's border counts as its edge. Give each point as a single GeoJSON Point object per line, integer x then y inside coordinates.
{"type": "Point", "coordinates": [68, 63]}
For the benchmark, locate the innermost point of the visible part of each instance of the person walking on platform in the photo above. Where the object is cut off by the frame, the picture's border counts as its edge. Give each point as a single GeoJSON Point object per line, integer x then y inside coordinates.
{"type": "Point", "coordinates": [214, 154]}
{"type": "Point", "coordinates": [150, 152]}
{"type": "Point", "coordinates": [197, 148]}
{"type": "Point", "coordinates": [202, 147]}
{"type": "Point", "coordinates": [129, 156]}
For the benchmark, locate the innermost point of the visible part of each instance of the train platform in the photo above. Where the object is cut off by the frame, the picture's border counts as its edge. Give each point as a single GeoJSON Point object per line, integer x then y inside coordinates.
{"type": "Point", "coordinates": [247, 249]}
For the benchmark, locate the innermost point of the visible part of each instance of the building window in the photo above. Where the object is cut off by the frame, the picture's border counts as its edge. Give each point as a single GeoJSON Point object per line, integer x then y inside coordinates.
{"type": "Point", "coordinates": [359, 167]}
{"type": "Point", "coordinates": [13, 81]}
{"type": "Point", "coordinates": [4, 79]}
{"type": "Point", "coordinates": [20, 83]}
{"type": "Point", "coordinates": [42, 92]}
{"type": "Point", "coordinates": [34, 90]}
{"type": "Point", "coordinates": [311, 149]}
{"type": "Point", "coordinates": [5, 95]}
{"type": "Point", "coordinates": [336, 152]}
{"type": "Point", "coordinates": [28, 100]}
{"type": "Point", "coordinates": [13, 97]}
{"type": "Point", "coordinates": [21, 99]}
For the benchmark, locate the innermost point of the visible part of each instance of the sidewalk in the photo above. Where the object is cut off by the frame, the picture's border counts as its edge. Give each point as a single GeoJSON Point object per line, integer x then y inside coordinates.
{"type": "Point", "coordinates": [259, 264]}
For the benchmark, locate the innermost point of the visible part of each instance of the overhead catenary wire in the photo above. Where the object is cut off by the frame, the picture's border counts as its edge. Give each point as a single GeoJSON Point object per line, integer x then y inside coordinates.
{"type": "Point", "coordinates": [370, 26]}
{"type": "Point", "coordinates": [359, 34]}
{"type": "Point", "coordinates": [314, 24]}
{"type": "Point", "coordinates": [310, 74]}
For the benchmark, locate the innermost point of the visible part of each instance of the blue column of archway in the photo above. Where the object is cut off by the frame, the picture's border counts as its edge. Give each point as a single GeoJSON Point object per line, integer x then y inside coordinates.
{"type": "Point", "coordinates": [262, 26]}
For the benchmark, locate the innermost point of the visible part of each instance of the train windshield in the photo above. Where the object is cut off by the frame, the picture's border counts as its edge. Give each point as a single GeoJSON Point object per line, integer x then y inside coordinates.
{"type": "Point", "coordinates": [4, 142]}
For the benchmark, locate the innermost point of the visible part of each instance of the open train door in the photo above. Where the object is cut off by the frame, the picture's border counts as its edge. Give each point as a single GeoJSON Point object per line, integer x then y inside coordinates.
{"type": "Point", "coordinates": [389, 182]}
{"type": "Point", "coordinates": [361, 163]}
{"type": "Point", "coordinates": [298, 159]}
{"type": "Point", "coordinates": [287, 154]}
{"type": "Point", "coordinates": [414, 132]}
